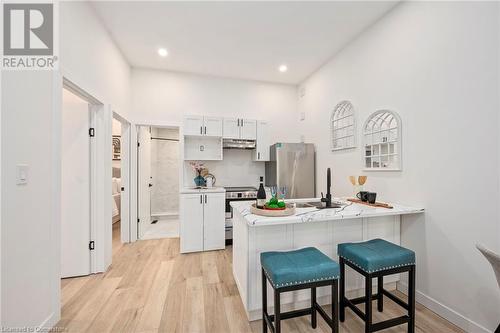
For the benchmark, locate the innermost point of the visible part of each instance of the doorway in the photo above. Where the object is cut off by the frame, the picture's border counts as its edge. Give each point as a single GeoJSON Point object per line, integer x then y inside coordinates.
{"type": "Point", "coordinates": [158, 165]}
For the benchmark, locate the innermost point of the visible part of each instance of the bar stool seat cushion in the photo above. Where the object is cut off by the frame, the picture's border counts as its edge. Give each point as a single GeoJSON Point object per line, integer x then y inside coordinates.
{"type": "Point", "coordinates": [376, 255]}
{"type": "Point", "coordinates": [297, 267]}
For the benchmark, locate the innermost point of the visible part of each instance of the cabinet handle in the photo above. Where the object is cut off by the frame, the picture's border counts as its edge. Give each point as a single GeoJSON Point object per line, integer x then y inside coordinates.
{"type": "Point", "coordinates": [205, 198]}
{"type": "Point", "coordinates": [201, 129]}
{"type": "Point", "coordinates": [242, 123]}
{"type": "Point", "coordinates": [201, 199]}
{"type": "Point", "coordinates": [205, 130]}
{"type": "Point", "coordinates": [238, 123]}
{"type": "Point", "coordinates": [258, 156]}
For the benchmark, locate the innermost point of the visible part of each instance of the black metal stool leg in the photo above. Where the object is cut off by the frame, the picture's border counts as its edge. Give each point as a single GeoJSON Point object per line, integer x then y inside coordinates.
{"type": "Point", "coordinates": [342, 290]}
{"type": "Point", "coordinates": [313, 308]}
{"type": "Point", "coordinates": [411, 299]}
{"type": "Point", "coordinates": [264, 302]}
{"type": "Point", "coordinates": [335, 306]}
{"type": "Point", "coordinates": [380, 297]}
{"type": "Point", "coordinates": [277, 312]}
{"type": "Point", "coordinates": [368, 304]}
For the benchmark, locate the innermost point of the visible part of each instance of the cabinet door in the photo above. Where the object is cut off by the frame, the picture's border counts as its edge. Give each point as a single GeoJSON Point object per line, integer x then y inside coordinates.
{"type": "Point", "coordinates": [231, 128]}
{"type": "Point", "coordinates": [262, 151]}
{"type": "Point", "coordinates": [193, 125]}
{"type": "Point", "coordinates": [191, 222]}
{"type": "Point", "coordinates": [248, 129]}
{"type": "Point", "coordinates": [214, 221]}
{"type": "Point", "coordinates": [213, 126]}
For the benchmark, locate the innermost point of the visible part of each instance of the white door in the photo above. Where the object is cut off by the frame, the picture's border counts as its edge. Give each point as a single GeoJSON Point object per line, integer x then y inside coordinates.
{"type": "Point", "coordinates": [214, 236]}
{"type": "Point", "coordinates": [213, 126]}
{"type": "Point", "coordinates": [262, 151]}
{"type": "Point", "coordinates": [144, 179]}
{"type": "Point", "coordinates": [193, 125]}
{"type": "Point", "coordinates": [231, 128]}
{"type": "Point", "coordinates": [248, 129]}
{"type": "Point", "coordinates": [191, 222]}
{"type": "Point", "coordinates": [75, 187]}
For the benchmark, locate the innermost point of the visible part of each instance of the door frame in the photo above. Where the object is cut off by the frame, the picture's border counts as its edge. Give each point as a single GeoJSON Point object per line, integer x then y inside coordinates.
{"type": "Point", "coordinates": [125, 221]}
{"type": "Point", "coordinates": [100, 171]}
{"type": "Point", "coordinates": [134, 190]}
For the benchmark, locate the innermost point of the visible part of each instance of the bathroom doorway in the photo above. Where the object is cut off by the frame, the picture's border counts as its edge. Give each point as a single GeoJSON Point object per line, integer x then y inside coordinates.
{"type": "Point", "coordinates": [158, 166]}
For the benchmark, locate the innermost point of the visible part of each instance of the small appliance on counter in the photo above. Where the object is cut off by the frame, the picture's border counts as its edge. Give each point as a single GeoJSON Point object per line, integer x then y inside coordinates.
{"type": "Point", "coordinates": [236, 194]}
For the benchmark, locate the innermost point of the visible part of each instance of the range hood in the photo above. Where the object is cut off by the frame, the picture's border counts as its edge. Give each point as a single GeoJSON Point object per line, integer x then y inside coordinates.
{"type": "Point", "coordinates": [238, 144]}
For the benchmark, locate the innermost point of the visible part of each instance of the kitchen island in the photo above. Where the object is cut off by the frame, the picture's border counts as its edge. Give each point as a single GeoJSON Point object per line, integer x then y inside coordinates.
{"type": "Point", "coordinates": [321, 228]}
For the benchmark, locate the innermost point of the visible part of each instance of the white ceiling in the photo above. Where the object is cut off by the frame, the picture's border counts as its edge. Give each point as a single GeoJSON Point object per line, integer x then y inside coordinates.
{"type": "Point", "coordinates": [247, 40]}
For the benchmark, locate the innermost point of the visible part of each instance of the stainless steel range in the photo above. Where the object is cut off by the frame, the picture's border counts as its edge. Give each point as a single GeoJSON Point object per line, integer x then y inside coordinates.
{"type": "Point", "coordinates": [236, 194]}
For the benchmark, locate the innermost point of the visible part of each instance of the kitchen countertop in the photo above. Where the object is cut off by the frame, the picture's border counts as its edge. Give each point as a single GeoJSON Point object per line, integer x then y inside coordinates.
{"type": "Point", "coordinates": [193, 190]}
{"type": "Point", "coordinates": [304, 215]}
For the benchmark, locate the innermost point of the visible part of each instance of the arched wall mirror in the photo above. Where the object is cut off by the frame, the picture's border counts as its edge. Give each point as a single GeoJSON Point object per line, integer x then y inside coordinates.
{"type": "Point", "coordinates": [382, 141]}
{"type": "Point", "coordinates": [343, 126]}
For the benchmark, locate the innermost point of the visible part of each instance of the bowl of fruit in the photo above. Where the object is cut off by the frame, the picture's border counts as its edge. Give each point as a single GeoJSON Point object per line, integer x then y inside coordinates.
{"type": "Point", "coordinates": [274, 204]}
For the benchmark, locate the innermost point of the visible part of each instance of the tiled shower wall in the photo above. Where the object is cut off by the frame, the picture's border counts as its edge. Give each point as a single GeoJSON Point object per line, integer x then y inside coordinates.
{"type": "Point", "coordinates": [165, 171]}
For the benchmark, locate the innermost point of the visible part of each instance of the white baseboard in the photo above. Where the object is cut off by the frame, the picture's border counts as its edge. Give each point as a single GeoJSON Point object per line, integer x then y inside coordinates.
{"type": "Point", "coordinates": [444, 311]}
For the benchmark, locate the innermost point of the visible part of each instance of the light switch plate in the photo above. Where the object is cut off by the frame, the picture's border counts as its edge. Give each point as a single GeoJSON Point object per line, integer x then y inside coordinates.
{"type": "Point", "coordinates": [22, 174]}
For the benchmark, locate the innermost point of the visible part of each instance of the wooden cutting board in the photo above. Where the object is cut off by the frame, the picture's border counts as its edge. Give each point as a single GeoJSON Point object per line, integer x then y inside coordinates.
{"type": "Point", "coordinates": [376, 204]}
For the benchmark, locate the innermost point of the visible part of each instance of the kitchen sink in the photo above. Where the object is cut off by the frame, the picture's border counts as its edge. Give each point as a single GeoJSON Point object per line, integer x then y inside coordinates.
{"type": "Point", "coordinates": [315, 204]}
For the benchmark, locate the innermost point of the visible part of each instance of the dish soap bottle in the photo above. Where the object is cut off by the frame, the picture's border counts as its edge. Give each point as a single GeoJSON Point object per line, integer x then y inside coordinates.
{"type": "Point", "coordinates": [261, 195]}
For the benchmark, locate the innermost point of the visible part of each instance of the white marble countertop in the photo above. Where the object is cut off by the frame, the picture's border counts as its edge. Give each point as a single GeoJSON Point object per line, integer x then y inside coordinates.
{"type": "Point", "coordinates": [193, 190]}
{"type": "Point", "coordinates": [303, 215]}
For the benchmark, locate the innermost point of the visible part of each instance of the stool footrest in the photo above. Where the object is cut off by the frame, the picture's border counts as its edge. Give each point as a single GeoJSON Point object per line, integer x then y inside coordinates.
{"type": "Point", "coordinates": [354, 308]}
{"type": "Point", "coordinates": [293, 314]}
{"type": "Point", "coordinates": [390, 323]}
{"type": "Point", "coordinates": [323, 314]}
{"type": "Point", "coordinates": [395, 299]}
{"type": "Point", "coordinates": [362, 299]}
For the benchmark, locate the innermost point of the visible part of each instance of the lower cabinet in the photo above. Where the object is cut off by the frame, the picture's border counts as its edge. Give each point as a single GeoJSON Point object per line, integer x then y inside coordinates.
{"type": "Point", "coordinates": [202, 219]}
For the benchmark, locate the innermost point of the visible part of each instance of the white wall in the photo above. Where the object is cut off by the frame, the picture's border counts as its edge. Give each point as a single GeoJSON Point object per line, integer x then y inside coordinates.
{"type": "Point", "coordinates": [30, 241]}
{"type": "Point", "coordinates": [161, 97]}
{"type": "Point", "coordinates": [90, 59]}
{"type": "Point", "coordinates": [436, 64]}
{"type": "Point", "coordinates": [31, 134]}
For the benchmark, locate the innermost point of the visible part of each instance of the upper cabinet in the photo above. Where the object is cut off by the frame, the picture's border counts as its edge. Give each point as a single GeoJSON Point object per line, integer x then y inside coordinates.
{"type": "Point", "coordinates": [248, 129]}
{"type": "Point", "coordinates": [203, 126]}
{"type": "Point", "coordinates": [244, 129]}
{"type": "Point", "coordinates": [263, 143]}
{"type": "Point", "coordinates": [231, 128]}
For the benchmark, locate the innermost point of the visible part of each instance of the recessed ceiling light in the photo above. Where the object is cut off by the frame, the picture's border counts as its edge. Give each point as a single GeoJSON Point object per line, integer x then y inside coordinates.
{"type": "Point", "coordinates": [162, 52]}
{"type": "Point", "coordinates": [283, 68]}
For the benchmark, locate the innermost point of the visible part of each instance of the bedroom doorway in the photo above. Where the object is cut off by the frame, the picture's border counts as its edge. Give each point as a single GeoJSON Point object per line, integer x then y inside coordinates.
{"type": "Point", "coordinates": [120, 181]}
{"type": "Point", "coordinates": [158, 174]}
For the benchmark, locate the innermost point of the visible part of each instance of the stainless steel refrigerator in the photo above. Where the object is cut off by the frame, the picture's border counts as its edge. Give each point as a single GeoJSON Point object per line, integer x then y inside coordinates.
{"type": "Point", "coordinates": [292, 165]}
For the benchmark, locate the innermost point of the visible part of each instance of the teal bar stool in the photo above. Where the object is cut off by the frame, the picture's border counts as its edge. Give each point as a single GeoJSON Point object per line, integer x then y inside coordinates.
{"type": "Point", "coordinates": [377, 258]}
{"type": "Point", "coordinates": [306, 268]}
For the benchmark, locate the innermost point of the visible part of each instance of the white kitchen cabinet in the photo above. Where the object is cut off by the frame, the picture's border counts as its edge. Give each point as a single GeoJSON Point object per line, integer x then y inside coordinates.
{"type": "Point", "coordinates": [244, 129]}
{"type": "Point", "coordinates": [214, 218]}
{"type": "Point", "coordinates": [261, 152]}
{"type": "Point", "coordinates": [203, 126]}
{"type": "Point", "coordinates": [202, 222]}
{"type": "Point", "coordinates": [193, 125]}
{"type": "Point", "coordinates": [231, 128]}
{"type": "Point", "coordinates": [212, 126]}
{"type": "Point", "coordinates": [202, 148]}
{"type": "Point", "coordinates": [191, 222]}
{"type": "Point", "coordinates": [248, 129]}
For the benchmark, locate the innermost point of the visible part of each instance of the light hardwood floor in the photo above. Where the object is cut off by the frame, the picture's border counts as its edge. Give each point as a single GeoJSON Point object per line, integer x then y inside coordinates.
{"type": "Point", "coordinates": [152, 288]}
